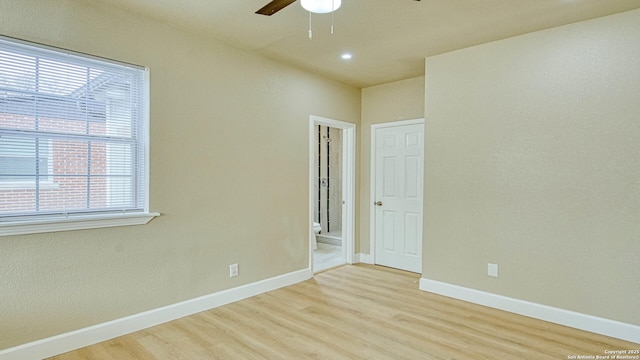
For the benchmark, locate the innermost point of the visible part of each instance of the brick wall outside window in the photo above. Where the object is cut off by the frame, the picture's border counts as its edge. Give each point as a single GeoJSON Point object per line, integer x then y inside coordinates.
{"type": "Point", "coordinates": [70, 163]}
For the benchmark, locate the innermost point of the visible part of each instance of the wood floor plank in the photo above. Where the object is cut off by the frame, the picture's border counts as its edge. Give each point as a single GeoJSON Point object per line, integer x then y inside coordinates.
{"type": "Point", "coordinates": [353, 312]}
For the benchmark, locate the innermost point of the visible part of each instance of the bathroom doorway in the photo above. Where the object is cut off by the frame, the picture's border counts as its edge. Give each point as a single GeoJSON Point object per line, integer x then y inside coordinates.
{"type": "Point", "coordinates": [331, 197]}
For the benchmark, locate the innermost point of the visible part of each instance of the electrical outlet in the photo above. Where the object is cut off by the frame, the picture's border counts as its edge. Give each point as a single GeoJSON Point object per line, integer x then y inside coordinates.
{"type": "Point", "coordinates": [233, 270]}
{"type": "Point", "coordinates": [492, 270]}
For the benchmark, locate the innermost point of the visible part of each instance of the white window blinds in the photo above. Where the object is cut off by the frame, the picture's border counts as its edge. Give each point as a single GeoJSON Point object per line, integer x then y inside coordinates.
{"type": "Point", "coordinates": [72, 134]}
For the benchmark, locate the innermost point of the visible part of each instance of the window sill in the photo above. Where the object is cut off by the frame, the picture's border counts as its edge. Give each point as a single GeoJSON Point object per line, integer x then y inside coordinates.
{"type": "Point", "coordinates": [75, 223]}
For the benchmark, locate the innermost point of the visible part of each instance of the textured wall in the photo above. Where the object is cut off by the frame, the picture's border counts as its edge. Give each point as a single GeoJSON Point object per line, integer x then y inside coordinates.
{"type": "Point", "coordinates": [225, 150]}
{"type": "Point", "coordinates": [532, 162]}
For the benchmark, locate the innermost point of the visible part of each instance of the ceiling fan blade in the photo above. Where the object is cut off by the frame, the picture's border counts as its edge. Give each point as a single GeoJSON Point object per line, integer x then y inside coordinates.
{"type": "Point", "coordinates": [274, 6]}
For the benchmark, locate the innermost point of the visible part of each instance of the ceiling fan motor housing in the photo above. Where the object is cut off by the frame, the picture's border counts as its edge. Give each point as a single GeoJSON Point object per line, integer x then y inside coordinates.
{"type": "Point", "coordinates": [321, 6]}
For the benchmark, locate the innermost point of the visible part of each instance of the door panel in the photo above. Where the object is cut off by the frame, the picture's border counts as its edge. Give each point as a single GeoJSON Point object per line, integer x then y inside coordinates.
{"type": "Point", "coordinates": [411, 185]}
{"type": "Point", "coordinates": [388, 236]}
{"type": "Point", "coordinates": [389, 170]}
{"type": "Point", "coordinates": [411, 239]}
{"type": "Point", "coordinates": [398, 176]}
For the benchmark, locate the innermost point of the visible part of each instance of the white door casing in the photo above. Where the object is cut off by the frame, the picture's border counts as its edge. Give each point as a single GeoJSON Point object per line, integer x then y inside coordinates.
{"type": "Point", "coordinates": [397, 190]}
{"type": "Point", "coordinates": [348, 184]}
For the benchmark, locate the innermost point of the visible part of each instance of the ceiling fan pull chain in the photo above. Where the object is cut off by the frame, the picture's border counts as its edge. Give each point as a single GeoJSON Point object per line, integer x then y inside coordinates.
{"type": "Point", "coordinates": [332, 12]}
{"type": "Point", "coordinates": [310, 32]}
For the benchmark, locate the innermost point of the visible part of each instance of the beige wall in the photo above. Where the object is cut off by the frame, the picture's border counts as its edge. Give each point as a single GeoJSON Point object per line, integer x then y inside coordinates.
{"type": "Point", "coordinates": [229, 173]}
{"type": "Point", "coordinates": [532, 162]}
{"type": "Point", "coordinates": [400, 100]}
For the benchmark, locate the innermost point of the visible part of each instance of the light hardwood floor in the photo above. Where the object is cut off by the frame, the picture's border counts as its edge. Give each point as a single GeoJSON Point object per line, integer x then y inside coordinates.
{"type": "Point", "coordinates": [353, 312]}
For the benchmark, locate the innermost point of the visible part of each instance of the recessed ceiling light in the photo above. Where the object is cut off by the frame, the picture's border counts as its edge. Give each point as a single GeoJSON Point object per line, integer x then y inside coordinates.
{"type": "Point", "coordinates": [346, 56]}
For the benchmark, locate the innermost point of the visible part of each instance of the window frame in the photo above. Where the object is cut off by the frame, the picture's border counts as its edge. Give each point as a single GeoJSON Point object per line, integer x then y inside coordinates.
{"type": "Point", "coordinates": [43, 223]}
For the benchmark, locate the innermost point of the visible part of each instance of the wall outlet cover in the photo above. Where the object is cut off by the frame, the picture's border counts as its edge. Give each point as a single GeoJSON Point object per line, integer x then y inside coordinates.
{"type": "Point", "coordinates": [233, 270]}
{"type": "Point", "coordinates": [492, 270]}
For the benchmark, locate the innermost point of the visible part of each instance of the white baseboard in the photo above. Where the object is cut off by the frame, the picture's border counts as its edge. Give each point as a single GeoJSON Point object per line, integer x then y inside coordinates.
{"type": "Point", "coordinates": [569, 318]}
{"type": "Point", "coordinates": [97, 333]}
{"type": "Point", "coordinates": [363, 258]}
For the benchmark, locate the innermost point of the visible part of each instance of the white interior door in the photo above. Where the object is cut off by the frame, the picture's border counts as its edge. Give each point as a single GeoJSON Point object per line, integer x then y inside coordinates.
{"type": "Point", "coordinates": [398, 171]}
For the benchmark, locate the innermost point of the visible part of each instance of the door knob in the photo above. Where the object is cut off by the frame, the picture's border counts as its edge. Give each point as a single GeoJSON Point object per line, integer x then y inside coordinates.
{"type": "Point", "coordinates": [378, 203]}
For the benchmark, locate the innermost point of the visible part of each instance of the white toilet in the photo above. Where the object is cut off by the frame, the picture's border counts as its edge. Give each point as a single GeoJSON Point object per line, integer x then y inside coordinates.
{"type": "Point", "coordinates": [316, 230]}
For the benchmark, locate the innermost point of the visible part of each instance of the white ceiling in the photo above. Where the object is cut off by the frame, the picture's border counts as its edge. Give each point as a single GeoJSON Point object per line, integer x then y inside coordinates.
{"type": "Point", "coordinates": [389, 39]}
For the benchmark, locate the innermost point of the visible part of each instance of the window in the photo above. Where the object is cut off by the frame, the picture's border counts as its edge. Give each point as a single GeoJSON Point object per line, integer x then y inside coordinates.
{"type": "Point", "coordinates": [73, 140]}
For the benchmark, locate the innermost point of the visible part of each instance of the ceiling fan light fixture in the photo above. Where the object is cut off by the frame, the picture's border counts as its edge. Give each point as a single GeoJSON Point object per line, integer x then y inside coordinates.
{"type": "Point", "coordinates": [321, 6]}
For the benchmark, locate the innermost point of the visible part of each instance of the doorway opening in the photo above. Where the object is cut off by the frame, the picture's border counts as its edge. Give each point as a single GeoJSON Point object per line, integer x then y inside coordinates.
{"type": "Point", "coordinates": [331, 193]}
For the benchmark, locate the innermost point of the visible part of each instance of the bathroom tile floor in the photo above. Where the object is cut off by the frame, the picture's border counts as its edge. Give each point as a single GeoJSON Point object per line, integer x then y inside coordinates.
{"type": "Point", "coordinates": [327, 256]}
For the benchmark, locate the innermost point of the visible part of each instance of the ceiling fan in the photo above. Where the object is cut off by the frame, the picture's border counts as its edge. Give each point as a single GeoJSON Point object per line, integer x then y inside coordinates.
{"type": "Point", "coordinates": [276, 5]}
